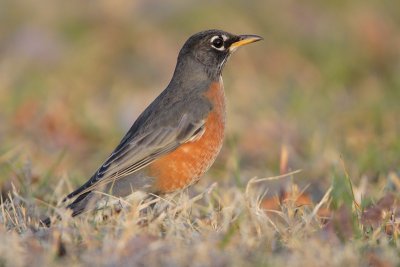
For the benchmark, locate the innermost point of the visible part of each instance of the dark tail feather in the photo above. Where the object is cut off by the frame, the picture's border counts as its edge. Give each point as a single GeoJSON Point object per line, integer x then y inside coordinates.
{"type": "Point", "coordinates": [80, 189]}
{"type": "Point", "coordinates": [46, 222]}
{"type": "Point", "coordinates": [77, 207]}
{"type": "Point", "coordinates": [80, 203]}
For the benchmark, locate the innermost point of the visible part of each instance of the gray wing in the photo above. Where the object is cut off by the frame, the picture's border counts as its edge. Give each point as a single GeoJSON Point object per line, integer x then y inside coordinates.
{"type": "Point", "coordinates": [136, 152]}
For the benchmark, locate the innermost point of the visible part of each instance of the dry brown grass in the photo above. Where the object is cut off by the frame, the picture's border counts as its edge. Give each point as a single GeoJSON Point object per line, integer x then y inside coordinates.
{"type": "Point", "coordinates": [217, 227]}
{"type": "Point", "coordinates": [320, 93]}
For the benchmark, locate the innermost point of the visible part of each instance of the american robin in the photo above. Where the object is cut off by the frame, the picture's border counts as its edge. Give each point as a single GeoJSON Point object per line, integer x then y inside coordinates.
{"type": "Point", "coordinates": [179, 135]}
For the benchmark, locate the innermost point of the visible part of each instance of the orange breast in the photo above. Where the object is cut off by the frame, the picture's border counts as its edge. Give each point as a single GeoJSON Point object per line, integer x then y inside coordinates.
{"type": "Point", "coordinates": [187, 163]}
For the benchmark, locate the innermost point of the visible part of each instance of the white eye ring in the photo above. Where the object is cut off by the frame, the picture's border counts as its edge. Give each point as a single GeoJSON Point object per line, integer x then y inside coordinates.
{"type": "Point", "coordinates": [218, 46]}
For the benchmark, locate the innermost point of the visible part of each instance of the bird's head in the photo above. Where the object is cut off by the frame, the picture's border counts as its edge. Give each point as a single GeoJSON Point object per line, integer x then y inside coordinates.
{"type": "Point", "coordinates": [212, 48]}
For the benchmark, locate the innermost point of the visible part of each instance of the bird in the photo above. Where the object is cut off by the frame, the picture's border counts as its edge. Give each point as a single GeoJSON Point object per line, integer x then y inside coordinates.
{"type": "Point", "coordinates": [178, 136]}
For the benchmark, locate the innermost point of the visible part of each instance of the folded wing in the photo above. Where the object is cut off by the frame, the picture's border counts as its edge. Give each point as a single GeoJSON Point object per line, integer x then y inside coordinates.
{"type": "Point", "coordinates": [136, 152]}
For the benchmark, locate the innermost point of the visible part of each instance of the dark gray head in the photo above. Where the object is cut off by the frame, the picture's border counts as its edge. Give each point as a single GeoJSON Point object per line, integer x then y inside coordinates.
{"type": "Point", "coordinates": [212, 48]}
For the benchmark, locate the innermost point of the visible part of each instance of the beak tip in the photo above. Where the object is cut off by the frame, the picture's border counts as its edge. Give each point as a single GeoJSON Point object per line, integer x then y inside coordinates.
{"type": "Point", "coordinates": [246, 39]}
{"type": "Point", "coordinates": [252, 37]}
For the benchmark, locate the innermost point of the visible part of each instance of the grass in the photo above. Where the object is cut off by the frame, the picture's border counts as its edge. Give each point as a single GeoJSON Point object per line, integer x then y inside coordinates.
{"type": "Point", "coordinates": [220, 226]}
{"type": "Point", "coordinates": [319, 94]}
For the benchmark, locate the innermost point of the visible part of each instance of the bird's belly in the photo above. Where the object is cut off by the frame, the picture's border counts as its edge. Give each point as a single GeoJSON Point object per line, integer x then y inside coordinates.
{"type": "Point", "coordinates": [188, 162]}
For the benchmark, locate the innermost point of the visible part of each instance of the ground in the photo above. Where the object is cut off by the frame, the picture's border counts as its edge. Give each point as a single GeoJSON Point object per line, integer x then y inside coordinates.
{"type": "Point", "coordinates": [309, 171]}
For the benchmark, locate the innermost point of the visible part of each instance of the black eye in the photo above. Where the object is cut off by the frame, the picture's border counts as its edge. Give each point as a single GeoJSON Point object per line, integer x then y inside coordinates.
{"type": "Point", "coordinates": [218, 42]}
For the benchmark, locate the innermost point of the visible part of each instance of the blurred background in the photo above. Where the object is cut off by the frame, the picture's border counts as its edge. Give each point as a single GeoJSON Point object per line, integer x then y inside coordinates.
{"type": "Point", "coordinates": [323, 86]}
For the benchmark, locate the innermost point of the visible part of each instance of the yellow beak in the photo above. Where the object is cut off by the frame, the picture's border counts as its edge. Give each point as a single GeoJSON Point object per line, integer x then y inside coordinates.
{"type": "Point", "coordinates": [244, 40]}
